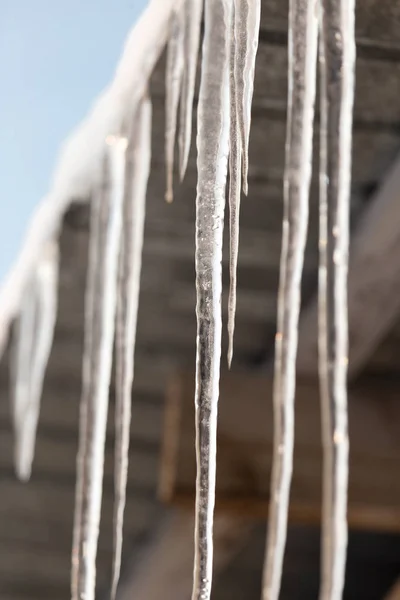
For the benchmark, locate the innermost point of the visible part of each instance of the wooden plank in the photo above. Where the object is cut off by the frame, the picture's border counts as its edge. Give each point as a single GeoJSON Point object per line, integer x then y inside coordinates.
{"type": "Point", "coordinates": [165, 569]}
{"type": "Point", "coordinates": [377, 23]}
{"type": "Point", "coordinates": [373, 150]}
{"type": "Point", "coordinates": [56, 453]}
{"type": "Point", "coordinates": [378, 84]}
{"type": "Point", "coordinates": [52, 506]}
{"type": "Point", "coordinates": [374, 282]}
{"type": "Point", "coordinates": [245, 434]}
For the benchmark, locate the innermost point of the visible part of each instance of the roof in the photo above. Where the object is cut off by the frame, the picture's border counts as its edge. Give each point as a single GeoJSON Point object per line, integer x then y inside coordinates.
{"type": "Point", "coordinates": [36, 518]}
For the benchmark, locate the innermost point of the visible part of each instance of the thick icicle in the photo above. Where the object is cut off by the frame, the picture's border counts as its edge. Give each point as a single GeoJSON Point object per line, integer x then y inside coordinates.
{"type": "Point", "coordinates": [100, 321]}
{"type": "Point", "coordinates": [21, 370]}
{"type": "Point", "coordinates": [234, 192]}
{"type": "Point", "coordinates": [302, 51]}
{"type": "Point", "coordinates": [173, 86]}
{"type": "Point", "coordinates": [193, 10]}
{"type": "Point", "coordinates": [44, 300]}
{"type": "Point", "coordinates": [212, 163]}
{"type": "Point", "coordinates": [247, 17]}
{"type": "Point", "coordinates": [337, 63]}
{"type": "Point", "coordinates": [138, 167]}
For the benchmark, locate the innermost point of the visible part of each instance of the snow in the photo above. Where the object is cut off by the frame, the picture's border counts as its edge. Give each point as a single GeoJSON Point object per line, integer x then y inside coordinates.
{"type": "Point", "coordinates": [80, 164]}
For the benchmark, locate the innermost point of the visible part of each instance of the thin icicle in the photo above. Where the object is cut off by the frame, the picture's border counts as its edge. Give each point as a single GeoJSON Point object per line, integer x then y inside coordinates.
{"type": "Point", "coordinates": [193, 10]}
{"type": "Point", "coordinates": [235, 156]}
{"type": "Point", "coordinates": [173, 86]}
{"type": "Point", "coordinates": [100, 317]}
{"type": "Point", "coordinates": [212, 163]}
{"type": "Point", "coordinates": [99, 211]}
{"type": "Point", "coordinates": [337, 63]}
{"type": "Point", "coordinates": [302, 51]}
{"type": "Point", "coordinates": [138, 168]}
{"type": "Point", "coordinates": [45, 298]}
{"type": "Point", "coordinates": [247, 17]}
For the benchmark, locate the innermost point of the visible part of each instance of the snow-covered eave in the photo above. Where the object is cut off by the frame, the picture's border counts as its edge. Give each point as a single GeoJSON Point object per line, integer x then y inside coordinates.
{"type": "Point", "coordinates": [79, 166]}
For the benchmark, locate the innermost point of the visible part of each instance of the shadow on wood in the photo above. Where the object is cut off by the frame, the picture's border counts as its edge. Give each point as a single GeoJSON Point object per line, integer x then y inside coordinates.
{"type": "Point", "coordinates": [245, 436]}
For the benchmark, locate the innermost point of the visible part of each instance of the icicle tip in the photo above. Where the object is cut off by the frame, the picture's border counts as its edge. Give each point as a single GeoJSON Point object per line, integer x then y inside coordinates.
{"type": "Point", "coordinates": [229, 356]}
{"type": "Point", "coordinates": [245, 184]}
{"type": "Point", "coordinates": [169, 197]}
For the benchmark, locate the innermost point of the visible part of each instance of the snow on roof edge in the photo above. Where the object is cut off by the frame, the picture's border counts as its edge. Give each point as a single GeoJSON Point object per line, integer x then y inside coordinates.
{"type": "Point", "coordinates": [79, 166]}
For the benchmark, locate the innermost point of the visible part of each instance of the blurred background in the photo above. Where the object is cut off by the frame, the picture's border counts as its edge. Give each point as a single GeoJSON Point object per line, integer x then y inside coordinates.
{"type": "Point", "coordinates": [54, 61]}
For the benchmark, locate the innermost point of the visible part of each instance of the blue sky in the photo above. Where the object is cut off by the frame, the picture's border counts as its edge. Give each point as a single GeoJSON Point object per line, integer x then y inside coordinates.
{"type": "Point", "coordinates": [55, 58]}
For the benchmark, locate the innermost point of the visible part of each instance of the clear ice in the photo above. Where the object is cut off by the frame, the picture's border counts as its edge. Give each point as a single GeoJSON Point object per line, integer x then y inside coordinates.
{"type": "Point", "coordinates": [302, 54]}
{"type": "Point", "coordinates": [100, 324]}
{"type": "Point", "coordinates": [244, 44]}
{"type": "Point", "coordinates": [212, 164]}
{"type": "Point", "coordinates": [137, 172]}
{"type": "Point", "coordinates": [247, 26]}
{"type": "Point", "coordinates": [235, 156]}
{"type": "Point", "coordinates": [193, 10]}
{"type": "Point", "coordinates": [337, 62]}
{"type": "Point", "coordinates": [173, 86]}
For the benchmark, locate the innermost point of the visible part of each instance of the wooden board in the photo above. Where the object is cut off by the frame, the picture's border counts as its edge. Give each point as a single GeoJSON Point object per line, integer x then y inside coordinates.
{"type": "Point", "coordinates": [245, 434]}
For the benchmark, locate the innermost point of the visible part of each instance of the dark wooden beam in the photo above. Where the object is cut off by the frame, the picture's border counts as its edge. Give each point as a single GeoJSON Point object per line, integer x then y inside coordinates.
{"type": "Point", "coordinates": [374, 282]}
{"type": "Point", "coordinates": [245, 434]}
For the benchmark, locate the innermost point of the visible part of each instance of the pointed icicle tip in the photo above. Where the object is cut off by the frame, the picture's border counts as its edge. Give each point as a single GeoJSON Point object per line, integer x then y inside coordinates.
{"type": "Point", "coordinates": [245, 183]}
{"type": "Point", "coordinates": [229, 355]}
{"type": "Point", "coordinates": [173, 86]}
{"type": "Point", "coordinates": [235, 157]}
{"type": "Point", "coordinates": [193, 11]}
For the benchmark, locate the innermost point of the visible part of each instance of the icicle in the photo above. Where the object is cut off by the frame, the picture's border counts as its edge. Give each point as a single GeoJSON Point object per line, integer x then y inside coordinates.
{"type": "Point", "coordinates": [234, 192]}
{"type": "Point", "coordinates": [337, 62]}
{"type": "Point", "coordinates": [100, 322]}
{"type": "Point", "coordinates": [21, 369]}
{"type": "Point", "coordinates": [44, 297]}
{"type": "Point", "coordinates": [139, 155]}
{"type": "Point", "coordinates": [173, 85]}
{"type": "Point", "coordinates": [99, 208]}
{"type": "Point", "coordinates": [213, 148]}
{"type": "Point", "coordinates": [193, 10]}
{"type": "Point", "coordinates": [302, 52]}
{"type": "Point", "coordinates": [247, 17]}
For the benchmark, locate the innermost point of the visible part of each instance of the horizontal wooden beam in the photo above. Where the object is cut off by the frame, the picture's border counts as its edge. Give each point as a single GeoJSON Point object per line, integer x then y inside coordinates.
{"type": "Point", "coordinates": [245, 434]}
{"type": "Point", "coordinates": [374, 282]}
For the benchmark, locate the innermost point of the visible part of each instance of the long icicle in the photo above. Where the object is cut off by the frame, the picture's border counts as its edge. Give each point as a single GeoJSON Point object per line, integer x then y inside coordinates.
{"type": "Point", "coordinates": [138, 168]}
{"type": "Point", "coordinates": [193, 10]}
{"type": "Point", "coordinates": [235, 156]}
{"type": "Point", "coordinates": [173, 87]}
{"type": "Point", "coordinates": [98, 218]}
{"type": "Point", "coordinates": [337, 63]}
{"type": "Point", "coordinates": [45, 300]}
{"type": "Point", "coordinates": [102, 294]}
{"type": "Point", "coordinates": [247, 18]}
{"type": "Point", "coordinates": [212, 163]}
{"type": "Point", "coordinates": [302, 52]}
